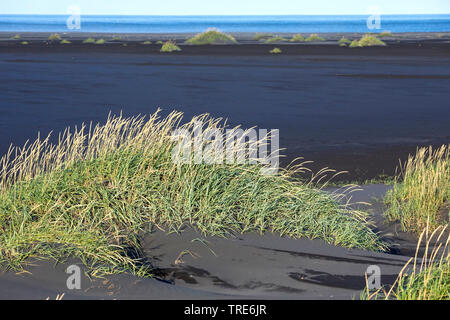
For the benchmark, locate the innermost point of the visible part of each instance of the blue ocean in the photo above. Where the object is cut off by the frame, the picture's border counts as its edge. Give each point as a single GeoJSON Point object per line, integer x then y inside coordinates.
{"type": "Point", "coordinates": [176, 24]}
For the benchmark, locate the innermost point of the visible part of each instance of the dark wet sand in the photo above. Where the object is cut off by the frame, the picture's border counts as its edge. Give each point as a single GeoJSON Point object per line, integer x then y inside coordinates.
{"type": "Point", "coordinates": [248, 266]}
{"type": "Point", "coordinates": [358, 110]}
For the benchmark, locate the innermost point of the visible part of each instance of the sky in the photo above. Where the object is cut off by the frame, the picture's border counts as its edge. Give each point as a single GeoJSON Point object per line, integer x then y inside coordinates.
{"type": "Point", "coordinates": [225, 7]}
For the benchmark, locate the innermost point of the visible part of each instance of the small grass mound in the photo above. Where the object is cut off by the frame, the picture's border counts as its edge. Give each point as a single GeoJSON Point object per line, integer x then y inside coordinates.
{"type": "Point", "coordinates": [385, 34]}
{"type": "Point", "coordinates": [420, 194]}
{"type": "Point", "coordinates": [170, 46]}
{"type": "Point", "coordinates": [89, 40]}
{"type": "Point", "coordinates": [146, 42]}
{"type": "Point", "coordinates": [65, 42]}
{"type": "Point", "coordinates": [91, 195]}
{"type": "Point", "coordinates": [16, 37]}
{"type": "Point", "coordinates": [262, 36]}
{"type": "Point", "coordinates": [429, 278]}
{"type": "Point", "coordinates": [54, 36]}
{"type": "Point", "coordinates": [314, 37]}
{"type": "Point", "coordinates": [24, 43]}
{"type": "Point", "coordinates": [275, 39]}
{"type": "Point", "coordinates": [100, 41]}
{"type": "Point", "coordinates": [343, 42]}
{"type": "Point", "coordinates": [275, 51]}
{"type": "Point", "coordinates": [367, 41]}
{"type": "Point", "coordinates": [297, 38]}
{"type": "Point", "coordinates": [211, 36]}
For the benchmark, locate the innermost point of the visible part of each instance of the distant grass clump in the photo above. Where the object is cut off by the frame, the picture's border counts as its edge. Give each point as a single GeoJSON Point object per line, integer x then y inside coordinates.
{"type": "Point", "coordinates": [385, 34]}
{"type": "Point", "coordinates": [367, 41]}
{"type": "Point", "coordinates": [275, 39]}
{"type": "Point", "coordinates": [343, 42]}
{"type": "Point", "coordinates": [429, 278]}
{"type": "Point", "coordinates": [90, 196]}
{"type": "Point", "coordinates": [65, 42]}
{"type": "Point", "coordinates": [146, 42]}
{"type": "Point", "coordinates": [24, 42]}
{"type": "Point", "coordinates": [89, 40]}
{"type": "Point", "coordinates": [100, 41]}
{"type": "Point", "coordinates": [275, 51]}
{"type": "Point", "coordinates": [54, 36]}
{"type": "Point", "coordinates": [262, 36]}
{"type": "Point", "coordinates": [159, 42]}
{"type": "Point", "coordinates": [16, 37]}
{"type": "Point", "coordinates": [421, 193]}
{"type": "Point", "coordinates": [314, 37]}
{"type": "Point", "coordinates": [297, 38]}
{"type": "Point", "coordinates": [211, 36]}
{"type": "Point", "coordinates": [170, 46]}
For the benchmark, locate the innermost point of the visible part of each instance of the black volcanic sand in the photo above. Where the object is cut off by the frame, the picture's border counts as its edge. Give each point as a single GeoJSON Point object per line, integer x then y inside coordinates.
{"type": "Point", "coordinates": [248, 266]}
{"type": "Point", "coordinates": [358, 110]}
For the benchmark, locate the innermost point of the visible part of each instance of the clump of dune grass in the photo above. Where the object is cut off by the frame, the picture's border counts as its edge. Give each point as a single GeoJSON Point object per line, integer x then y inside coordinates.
{"type": "Point", "coordinates": [116, 38]}
{"type": "Point", "coordinates": [16, 37]}
{"type": "Point", "coordinates": [91, 195]}
{"type": "Point", "coordinates": [100, 41]}
{"type": "Point", "coordinates": [65, 42]}
{"type": "Point", "coordinates": [297, 38]}
{"type": "Point", "coordinates": [24, 42]}
{"type": "Point", "coordinates": [275, 39]}
{"type": "Point", "coordinates": [170, 46]}
{"type": "Point", "coordinates": [429, 278]}
{"type": "Point", "coordinates": [314, 37]}
{"type": "Point", "coordinates": [343, 42]}
{"type": "Point", "coordinates": [385, 34]}
{"type": "Point", "coordinates": [159, 42]}
{"type": "Point", "coordinates": [89, 40]}
{"type": "Point", "coordinates": [367, 41]}
{"type": "Point", "coordinates": [54, 36]}
{"type": "Point", "coordinates": [146, 42]}
{"type": "Point", "coordinates": [261, 36]}
{"type": "Point", "coordinates": [421, 192]}
{"type": "Point", "coordinates": [211, 36]}
{"type": "Point", "coordinates": [275, 51]}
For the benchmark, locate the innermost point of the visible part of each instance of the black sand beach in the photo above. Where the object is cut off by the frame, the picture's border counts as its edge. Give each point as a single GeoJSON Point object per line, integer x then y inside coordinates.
{"type": "Point", "coordinates": [189, 265]}
{"type": "Point", "coordinates": [353, 109]}
{"type": "Point", "coordinates": [358, 110]}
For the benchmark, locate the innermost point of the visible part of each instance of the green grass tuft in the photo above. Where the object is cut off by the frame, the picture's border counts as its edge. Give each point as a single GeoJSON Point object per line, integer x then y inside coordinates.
{"type": "Point", "coordinates": [170, 46]}
{"type": "Point", "coordinates": [420, 194]}
{"type": "Point", "coordinates": [297, 38]}
{"type": "Point", "coordinates": [275, 51]}
{"type": "Point", "coordinates": [146, 42]}
{"type": "Point", "coordinates": [275, 39]}
{"type": "Point", "coordinates": [93, 193]}
{"type": "Point", "coordinates": [384, 34]}
{"type": "Point", "coordinates": [24, 42]}
{"type": "Point", "coordinates": [314, 37]}
{"type": "Point", "coordinates": [16, 37]}
{"type": "Point", "coordinates": [100, 41]}
{"type": "Point", "coordinates": [65, 42]}
{"type": "Point", "coordinates": [211, 36]}
{"type": "Point", "coordinates": [367, 41]}
{"type": "Point", "coordinates": [54, 36]}
{"type": "Point", "coordinates": [89, 40]}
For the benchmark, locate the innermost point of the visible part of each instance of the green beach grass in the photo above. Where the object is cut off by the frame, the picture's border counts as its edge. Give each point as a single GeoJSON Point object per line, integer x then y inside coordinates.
{"type": "Point", "coordinates": [92, 194]}
{"type": "Point", "coordinates": [275, 39]}
{"type": "Point", "coordinates": [429, 278]}
{"type": "Point", "coordinates": [170, 46]}
{"type": "Point", "coordinates": [421, 192]}
{"type": "Point", "coordinates": [54, 36]}
{"type": "Point", "coordinates": [211, 36]}
{"type": "Point", "coordinates": [275, 51]}
{"type": "Point", "coordinates": [297, 38]}
{"type": "Point", "coordinates": [367, 41]}
{"type": "Point", "coordinates": [89, 40]}
{"type": "Point", "coordinates": [314, 37]}
{"type": "Point", "coordinates": [261, 36]}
